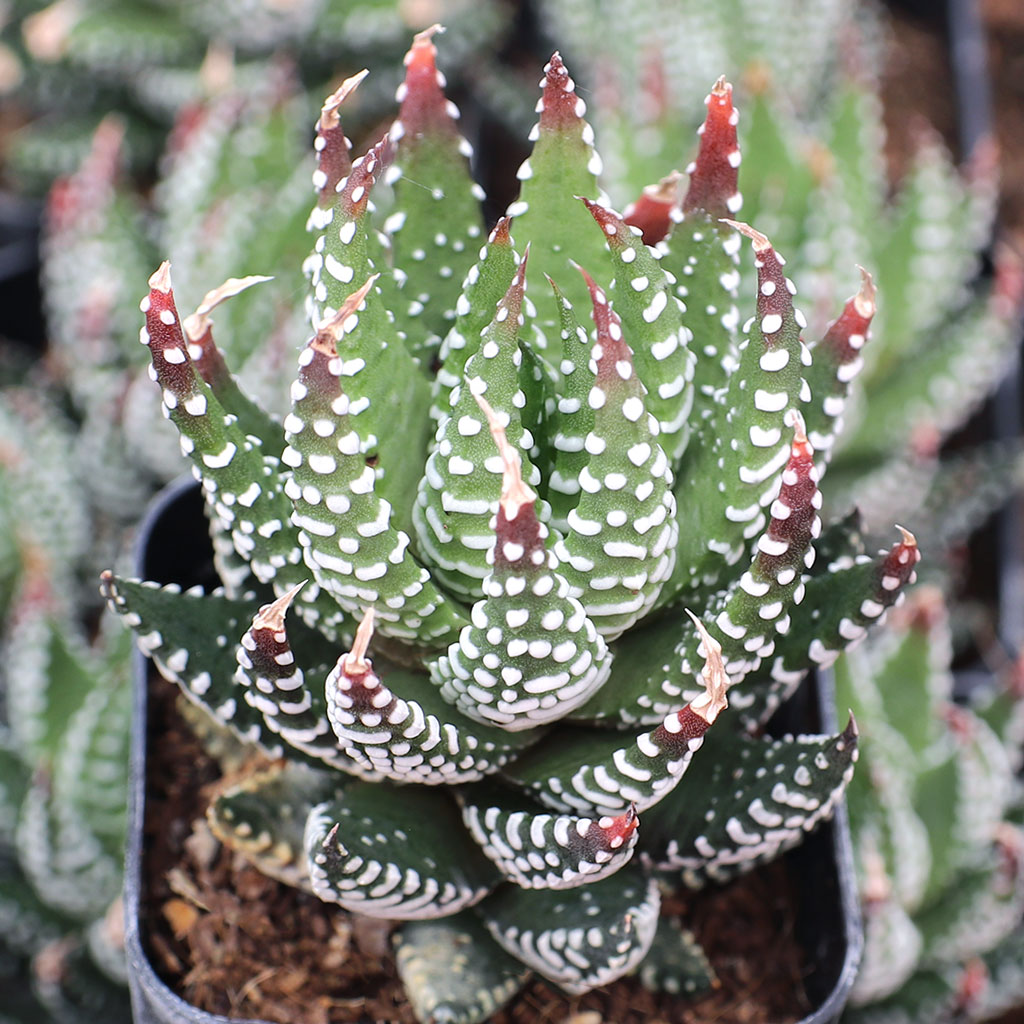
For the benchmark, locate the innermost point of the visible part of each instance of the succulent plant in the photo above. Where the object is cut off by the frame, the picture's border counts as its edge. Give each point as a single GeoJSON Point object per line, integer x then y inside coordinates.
{"type": "Point", "coordinates": [816, 180]}
{"type": "Point", "coordinates": [936, 810]}
{"type": "Point", "coordinates": [70, 63]}
{"type": "Point", "coordinates": [66, 705]}
{"type": "Point", "coordinates": [567, 550]}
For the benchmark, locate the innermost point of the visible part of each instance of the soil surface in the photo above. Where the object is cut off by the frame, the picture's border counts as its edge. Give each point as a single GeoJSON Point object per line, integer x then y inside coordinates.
{"type": "Point", "coordinates": [235, 942]}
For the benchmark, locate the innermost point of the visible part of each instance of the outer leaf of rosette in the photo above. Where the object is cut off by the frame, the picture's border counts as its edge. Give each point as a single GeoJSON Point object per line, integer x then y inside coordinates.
{"type": "Point", "coordinates": [395, 852]}
{"type": "Point", "coordinates": [483, 288]}
{"type": "Point", "coordinates": [746, 801]}
{"type": "Point", "coordinates": [191, 637]}
{"type": "Point", "coordinates": [840, 605]}
{"type": "Point", "coordinates": [581, 938]}
{"type": "Point", "coordinates": [453, 971]}
{"type": "Point", "coordinates": [562, 166]}
{"type": "Point", "coordinates": [263, 816]}
{"type": "Point", "coordinates": [652, 323]}
{"type": "Point", "coordinates": [725, 487]}
{"type": "Point", "coordinates": [337, 447]}
{"type": "Point", "coordinates": [436, 233]}
{"type": "Point", "coordinates": [676, 963]}
{"type": "Point", "coordinates": [536, 849]}
{"type": "Point", "coordinates": [462, 480]}
{"type": "Point", "coordinates": [585, 771]}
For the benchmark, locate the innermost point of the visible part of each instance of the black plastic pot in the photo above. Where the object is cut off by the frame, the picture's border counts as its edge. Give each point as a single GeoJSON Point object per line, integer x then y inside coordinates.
{"type": "Point", "coordinates": [174, 548]}
{"type": "Point", "coordinates": [21, 318]}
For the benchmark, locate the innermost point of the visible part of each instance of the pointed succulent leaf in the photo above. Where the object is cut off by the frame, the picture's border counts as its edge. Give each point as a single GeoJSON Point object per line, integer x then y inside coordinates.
{"type": "Point", "coordinates": [432, 187]}
{"type": "Point", "coordinates": [406, 731]}
{"type": "Point", "coordinates": [456, 501]}
{"type": "Point", "coordinates": [388, 851]}
{"type": "Point", "coordinates": [581, 939]}
{"type": "Point", "coordinates": [749, 446]}
{"type": "Point", "coordinates": [591, 772]}
{"type": "Point", "coordinates": [676, 963]}
{"type": "Point", "coordinates": [649, 677]}
{"type": "Point", "coordinates": [713, 175]}
{"type": "Point", "coordinates": [620, 547]}
{"type": "Point", "coordinates": [836, 361]}
{"type": "Point", "coordinates": [263, 816]}
{"type": "Point", "coordinates": [763, 796]}
{"type": "Point", "coordinates": [191, 638]}
{"type": "Point", "coordinates": [563, 164]}
{"type": "Point", "coordinates": [539, 850]}
{"type": "Point", "coordinates": [355, 549]}
{"type": "Point", "coordinates": [452, 970]}
{"type": "Point", "coordinates": [345, 251]}
{"type": "Point", "coordinates": [210, 365]}
{"type": "Point", "coordinates": [484, 287]}
{"type": "Point", "coordinates": [757, 610]}
{"type": "Point", "coordinates": [242, 490]}
{"type": "Point", "coordinates": [701, 253]}
{"type": "Point", "coordinates": [274, 683]}
{"type": "Point", "coordinates": [530, 654]}
{"type": "Point", "coordinates": [333, 148]}
{"type": "Point", "coordinates": [652, 322]}
{"type": "Point", "coordinates": [839, 607]}
{"type": "Point", "coordinates": [573, 415]}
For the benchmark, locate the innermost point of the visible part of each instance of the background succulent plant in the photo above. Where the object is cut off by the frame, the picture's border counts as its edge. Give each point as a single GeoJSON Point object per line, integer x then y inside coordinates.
{"type": "Point", "coordinates": [72, 62]}
{"type": "Point", "coordinates": [936, 814]}
{"type": "Point", "coordinates": [63, 745]}
{"type": "Point", "coordinates": [535, 691]}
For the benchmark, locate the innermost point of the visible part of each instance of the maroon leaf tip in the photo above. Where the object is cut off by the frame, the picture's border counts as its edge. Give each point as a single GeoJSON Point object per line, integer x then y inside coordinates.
{"type": "Point", "coordinates": [424, 107]}
{"type": "Point", "coordinates": [652, 212]}
{"type": "Point", "coordinates": [714, 174]}
{"type": "Point", "coordinates": [559, 106]}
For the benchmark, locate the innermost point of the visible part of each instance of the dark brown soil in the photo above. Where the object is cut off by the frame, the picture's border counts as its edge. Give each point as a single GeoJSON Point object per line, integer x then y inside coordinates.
{"type": "Point", "coordinates": [234, 942]}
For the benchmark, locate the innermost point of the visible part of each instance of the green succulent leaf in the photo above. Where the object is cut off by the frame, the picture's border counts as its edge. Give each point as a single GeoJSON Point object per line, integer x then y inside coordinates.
{"type": "Point", "coordinates": [383, 851]}
{"type": "Point", "coordinates": [453, 971]}
{"type": "Point", "coordinates": [580, 939]}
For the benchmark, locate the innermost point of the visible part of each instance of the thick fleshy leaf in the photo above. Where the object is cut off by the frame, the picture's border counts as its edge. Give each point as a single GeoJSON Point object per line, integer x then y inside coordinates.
{"type": "Point", "coordinates": [404, 729]}
{"type": "Point", "coordinates": [263, 816]}
{"type": "Point", "coordinates": [620, 546]}
{"type": "Point", "coordinates": [456, 501]}
{"type": "Point", "coordinates": [452, 970]}
{"type": "Point", "coordinates": [353, 539]}
{"type": "Point", "coordinates": [758, 797]}
{"type": "Point", "coordinates": [652, 322]}
{"type": "Point", "coordinates": [589, 772]}
{"type": "Point", "coordinates": [539, 850]}
{"type": "Point", "coordinates": [531, 654]}
{"type": "Point", "coordinates": [562, 166]}
{"type": "Point", "coordinates": [581, 939]}
{"type": "Point", "coordinates": [395, 851]}
{"type": "Point", "coordinates": [432, 187]}
{"type": "Point", "coordinates": [676, 963]}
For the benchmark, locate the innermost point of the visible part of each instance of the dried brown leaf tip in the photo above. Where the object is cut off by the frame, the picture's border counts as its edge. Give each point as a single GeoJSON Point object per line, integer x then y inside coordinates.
{"type": "Point", "coordinates": [713, 700]}
{"type": "Point", "coordinates": [332, 146]}
{"type": "Point", "coordinates": [714, 174]}
{"type": "Point", "coordinates": [356, 663]}
{"type": "Point", "coordinates": [334, 328]}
